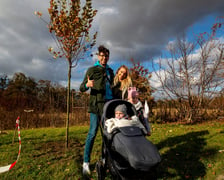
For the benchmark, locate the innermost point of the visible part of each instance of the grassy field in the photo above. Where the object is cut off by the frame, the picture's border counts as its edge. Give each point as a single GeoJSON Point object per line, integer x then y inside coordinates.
{"type": "Point", "coordinates": [187, 151]}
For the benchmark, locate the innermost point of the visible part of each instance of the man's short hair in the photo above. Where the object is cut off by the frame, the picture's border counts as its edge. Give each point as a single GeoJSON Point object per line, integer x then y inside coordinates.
{"type": "Point", "coordinates": [104, 50]}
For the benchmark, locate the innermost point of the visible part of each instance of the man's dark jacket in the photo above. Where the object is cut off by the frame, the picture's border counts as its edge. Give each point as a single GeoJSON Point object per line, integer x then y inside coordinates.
{"type": "Point", "coordinates": [97, 93]}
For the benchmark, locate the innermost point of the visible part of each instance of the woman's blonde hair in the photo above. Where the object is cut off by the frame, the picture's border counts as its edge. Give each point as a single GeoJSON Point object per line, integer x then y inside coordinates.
{"type": "Point", "coordinates": [125, 83]}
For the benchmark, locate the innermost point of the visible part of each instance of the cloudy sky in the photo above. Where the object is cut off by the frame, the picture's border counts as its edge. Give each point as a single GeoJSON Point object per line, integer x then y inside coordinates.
{"type": "Point", "coordinates": [138, 29]}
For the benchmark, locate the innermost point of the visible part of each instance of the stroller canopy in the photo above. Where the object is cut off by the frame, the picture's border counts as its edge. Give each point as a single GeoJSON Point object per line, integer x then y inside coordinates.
{"type": "Point", "coordinates": [109, 107]}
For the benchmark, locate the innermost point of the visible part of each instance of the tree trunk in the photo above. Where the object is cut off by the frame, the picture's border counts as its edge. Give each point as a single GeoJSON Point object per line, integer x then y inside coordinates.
{"type": "Point", "coordinates": [68, 103]}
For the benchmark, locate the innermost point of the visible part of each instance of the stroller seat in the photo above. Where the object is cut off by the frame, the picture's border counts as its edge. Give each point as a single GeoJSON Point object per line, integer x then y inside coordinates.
{"type": "Point", "coordinates": [128, 144]}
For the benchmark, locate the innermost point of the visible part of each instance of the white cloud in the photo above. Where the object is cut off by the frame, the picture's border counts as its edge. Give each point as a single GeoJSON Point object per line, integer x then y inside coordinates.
{"type": "Point", "coordinates": [108, 11]}
{"type": "Point", "coordinates": [194, 77]}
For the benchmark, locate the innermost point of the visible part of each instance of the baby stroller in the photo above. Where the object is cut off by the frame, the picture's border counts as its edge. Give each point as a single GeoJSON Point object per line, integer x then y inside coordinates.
{"type": "Point", "coordinates": [126, 152]}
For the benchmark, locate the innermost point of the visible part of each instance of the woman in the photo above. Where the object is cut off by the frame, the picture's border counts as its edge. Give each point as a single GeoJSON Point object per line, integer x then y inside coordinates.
{"type": "Point", "coordinates": [122, 81]}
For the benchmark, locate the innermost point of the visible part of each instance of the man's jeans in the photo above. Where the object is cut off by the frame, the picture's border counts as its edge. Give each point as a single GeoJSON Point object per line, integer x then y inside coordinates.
{"type": "Point", "coordinates": [91, 136]}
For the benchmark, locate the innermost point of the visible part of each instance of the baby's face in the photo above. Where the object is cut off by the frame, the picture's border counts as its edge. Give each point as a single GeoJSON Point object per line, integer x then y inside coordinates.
{"type": "Point", "coordinates": [119, 114]}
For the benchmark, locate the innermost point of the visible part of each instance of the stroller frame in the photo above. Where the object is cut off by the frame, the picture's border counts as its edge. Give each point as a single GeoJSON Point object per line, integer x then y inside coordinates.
{"type": "Point", "coordinates": [118, 167]}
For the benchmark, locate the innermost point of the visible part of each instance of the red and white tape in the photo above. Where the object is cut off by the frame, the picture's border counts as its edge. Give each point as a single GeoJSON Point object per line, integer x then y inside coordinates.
{"type": "Point", "coordinates": [8, 167]}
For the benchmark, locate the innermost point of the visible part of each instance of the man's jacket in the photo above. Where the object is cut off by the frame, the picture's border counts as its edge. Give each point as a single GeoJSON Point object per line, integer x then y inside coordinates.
{"type": "Point", "coordinates": [97, 93]}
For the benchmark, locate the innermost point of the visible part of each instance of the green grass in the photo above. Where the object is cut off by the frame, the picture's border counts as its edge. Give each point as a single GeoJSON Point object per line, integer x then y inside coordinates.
{"type": "Point", "coordinates": [187, 151]}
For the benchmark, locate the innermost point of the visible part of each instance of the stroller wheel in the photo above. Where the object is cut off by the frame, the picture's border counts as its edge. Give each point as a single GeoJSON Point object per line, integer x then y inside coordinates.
{"type": "Point", "coordinates": [100, 170]}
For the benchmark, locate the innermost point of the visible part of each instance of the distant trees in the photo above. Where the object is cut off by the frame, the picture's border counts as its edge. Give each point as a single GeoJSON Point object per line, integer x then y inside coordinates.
{"type": "Point", "coordinates": [24, 92]}
{"type": "Point", "coordinates": [4, 80]}
{"type": "Point", "coordinates": [52, 96]}
{"type": "Point", "coordinates": [21, 91]}
{"type": "Point", "coordinates": [140, 78]}
{"type": "Point", "coordinates": [46, 100]}
{"type": "Point", "coordinates": [189, 76]}
{"type": "Point", "coordinates": [217, 26]}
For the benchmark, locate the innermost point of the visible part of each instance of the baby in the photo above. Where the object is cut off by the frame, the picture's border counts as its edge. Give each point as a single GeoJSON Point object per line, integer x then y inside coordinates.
{"type": "Point", "coordinates": [122, 119]}
{"type": "Point", "coordinates": [141, 112]}
{"type": "Point", "coordinates": [121, 112]}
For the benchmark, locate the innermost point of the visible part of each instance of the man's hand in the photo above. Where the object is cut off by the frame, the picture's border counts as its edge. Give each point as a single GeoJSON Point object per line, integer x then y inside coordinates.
{"type": "Point", "coordinates": [90, 83]}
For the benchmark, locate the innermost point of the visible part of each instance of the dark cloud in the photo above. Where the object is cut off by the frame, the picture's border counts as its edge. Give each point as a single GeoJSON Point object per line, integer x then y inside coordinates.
{"type": "Point", "coordinates": [143, 27]}
{"type": "Point", "coordinates": [133, 28]}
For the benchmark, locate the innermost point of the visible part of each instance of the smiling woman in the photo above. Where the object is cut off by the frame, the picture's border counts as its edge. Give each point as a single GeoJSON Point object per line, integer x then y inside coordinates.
{"type": "Point", "coordinates": [122, 81]}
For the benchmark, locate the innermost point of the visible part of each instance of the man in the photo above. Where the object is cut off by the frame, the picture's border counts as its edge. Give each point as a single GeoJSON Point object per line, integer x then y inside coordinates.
{"type": "Point", "coordinates": [98, 78]}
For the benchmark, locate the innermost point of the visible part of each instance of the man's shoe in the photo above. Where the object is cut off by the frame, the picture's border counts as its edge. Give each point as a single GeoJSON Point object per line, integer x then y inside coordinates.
{"type": "Point", "coordinates": [85, 168]}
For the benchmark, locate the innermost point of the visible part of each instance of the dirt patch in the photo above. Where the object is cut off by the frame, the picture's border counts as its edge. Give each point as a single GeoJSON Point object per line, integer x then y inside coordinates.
{"type": "Point", "coordinates": [3, 132]}
{"type": "Point", "coordinates": [220, 177]}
